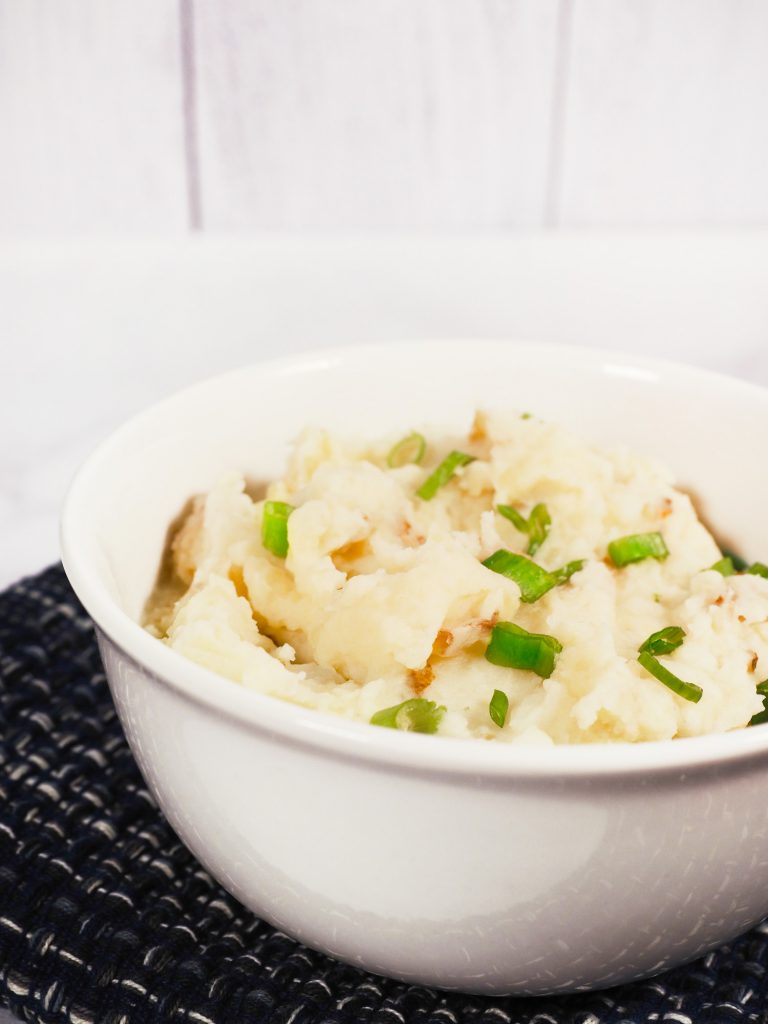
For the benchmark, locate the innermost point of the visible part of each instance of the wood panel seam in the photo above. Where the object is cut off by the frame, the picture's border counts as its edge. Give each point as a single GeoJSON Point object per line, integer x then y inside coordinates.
{"type": "Point", "coordinates": [561, 70]}
{"type": "Point", "coordinates": [189, 114]}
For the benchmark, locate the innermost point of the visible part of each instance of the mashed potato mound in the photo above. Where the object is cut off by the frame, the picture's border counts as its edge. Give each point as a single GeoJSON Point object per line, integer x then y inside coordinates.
{"type": "Point", "coordinates": [383, 596]}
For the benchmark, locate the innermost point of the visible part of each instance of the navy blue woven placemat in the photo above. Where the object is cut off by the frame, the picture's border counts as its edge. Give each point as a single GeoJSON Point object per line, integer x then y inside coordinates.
{"type": "Point", "coordinates": [105, 918]}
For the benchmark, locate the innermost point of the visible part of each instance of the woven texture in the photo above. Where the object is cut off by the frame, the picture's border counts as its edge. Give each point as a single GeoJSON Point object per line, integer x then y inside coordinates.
{"type": "Point", "coordinates": [105, 917]}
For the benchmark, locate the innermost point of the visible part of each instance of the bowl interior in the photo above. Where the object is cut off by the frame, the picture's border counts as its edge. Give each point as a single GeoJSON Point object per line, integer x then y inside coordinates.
{"type": "Point", "coordinates": [704, 426]}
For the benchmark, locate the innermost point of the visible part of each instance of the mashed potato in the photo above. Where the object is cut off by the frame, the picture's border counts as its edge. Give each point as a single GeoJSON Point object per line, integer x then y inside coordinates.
{"type": "Point", "coordinates": [382, 596]}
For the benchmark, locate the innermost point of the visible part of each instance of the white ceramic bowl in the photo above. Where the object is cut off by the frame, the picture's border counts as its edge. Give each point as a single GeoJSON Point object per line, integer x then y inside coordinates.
{"type": "Point", "coordinates": [446, 862]}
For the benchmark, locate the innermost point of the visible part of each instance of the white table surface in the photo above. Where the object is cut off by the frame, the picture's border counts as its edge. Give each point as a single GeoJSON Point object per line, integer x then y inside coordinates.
{"type": "Point", "coordinates": [93, 331]}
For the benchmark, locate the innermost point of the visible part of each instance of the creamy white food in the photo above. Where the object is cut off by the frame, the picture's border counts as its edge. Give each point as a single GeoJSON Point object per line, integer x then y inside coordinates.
{"type": "Point", "coordinates": [383, 596]}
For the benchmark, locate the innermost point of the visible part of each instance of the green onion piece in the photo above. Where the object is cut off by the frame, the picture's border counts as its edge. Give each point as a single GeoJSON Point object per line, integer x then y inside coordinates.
{"type": "Point", "coordinates": [739, 563]}
{"type": "Point", "coordinates": [443, 474]}
{"type": "Point", "coordinates": [274, 527]}
{"type": "Point", "coordinates": [514, 647]}
{"type": "Point", "coordinates": [414, 715]}
{"type": "Point", "coordinates": [536, 526]}
{"type": "Point", "coordinates": [664, 641]}
{"type": "Point", "coordinates": [758, 569]}
{"type": "Point", "coordinates": [724, 566]}
{"type": "Point", "coordinates": [532, 580]}
{"type": "Point", "coordinates": [498, 708]}
{"type": "Point", "coordinates": [408, 450]}
{"type": "Point", "coordinates": [690, 691]}
{"type": "Point", "coordinates": [637, 547]}
{"type": "Point", "coordinates": [564, 573]}
{"type": "Point", "coordinates": [526, 415]}
{"type": "Point", "coordinates": [761, 716]}
{"type": "Point", "coordinates": [514, 516]}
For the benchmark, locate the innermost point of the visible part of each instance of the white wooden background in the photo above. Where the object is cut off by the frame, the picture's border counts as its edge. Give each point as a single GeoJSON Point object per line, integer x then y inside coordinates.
{"type": "Point", "coordinates": [249, 115]}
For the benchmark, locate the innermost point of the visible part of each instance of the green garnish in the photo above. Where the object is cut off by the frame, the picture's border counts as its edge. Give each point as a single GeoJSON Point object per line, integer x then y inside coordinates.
{"type": "Point", "coordinates": [539, 523]}
{"type": "Point", "coordinates": [498, 708]}
{"type": "Point", "coordinates": [730, 564]}
{"type": "Point", "coordinates": [636, 548]}
{"type": "Point", "coordinates": [274, 527]}
{"type": "Point", "coordinates": [739, 563]}
{"type": "Point", "coordinates": [414, 715]}
{"type": "Point", "coordinates": [526, 415]}
{"type": "Point", "coordinates": [664, 641]}
{"type": "Point", "coordinates": [724, 566]}
{"type": "Point", "coordinates": [514, 516]}
{"type": "Point", "coordinates": [409, 449]}
{"type": "Point", "coordinates": [564, 573]}
{"type": "Point", "coordinates": [443, 474]}
{"type": "Point", "coordinates": [532, 580]}
{"type": "Point", "coordinates": [761, 716]}
{"type": "Point", "coordinates": [690, 691]}
{"type": "Point", "coordinates": [514, 647]}
{"type": "Point", "coordinates": [536, 526]}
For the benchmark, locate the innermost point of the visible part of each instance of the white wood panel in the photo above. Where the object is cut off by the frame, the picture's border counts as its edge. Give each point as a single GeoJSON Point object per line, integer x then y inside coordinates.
{"type": "Point", "coordinates": [91, 116]}
{"type": "Point", "coordinates": [388, 113]}
{"type": "Point", "coordinates": [666, 114]}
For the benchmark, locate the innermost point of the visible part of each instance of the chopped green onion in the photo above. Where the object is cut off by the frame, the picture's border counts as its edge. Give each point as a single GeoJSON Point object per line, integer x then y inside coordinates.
{"type": "Point", "coordinates": [664, 641]}
{"type": "Point", "coordinates": [739, 563]}
{"type": "Point", "coordinates": [514, 516]}
{"type": "Point", "coordinates": [724, 566]}
{"type": "Point", "coordinates": [274, 527]}
{"type": "Point", "coordinates": [414, 715]}
{"type": "Point", "coordinates": [564, 573]}
{"type": "Point", "coordinates": [690, 691]}
{"type": "Point", "coordinates": [761, 716]}
{"type": "Point", "coordinates": [408, 450]}
{"type": "Point", "coordinates": [526, 415]}
{"type": "Point", "coordinates": [514, 647]}
{"type": "Point", "coordinates": [498, 708]}
{"type": "Point", "coordinates": [637, 547]}
{"type": "Point", "coordinates": [443, 474]}
{"type": "Point", "coordinates": [730, 564]}
{"type": "Point", "coordinates": [536, 526]}
{"type": "Point", "coordinates": [532, 580]}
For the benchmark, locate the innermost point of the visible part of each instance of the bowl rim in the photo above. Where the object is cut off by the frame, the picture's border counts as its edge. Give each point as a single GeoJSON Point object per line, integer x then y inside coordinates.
{"type": "Point", "coordinates": [350, 738]}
